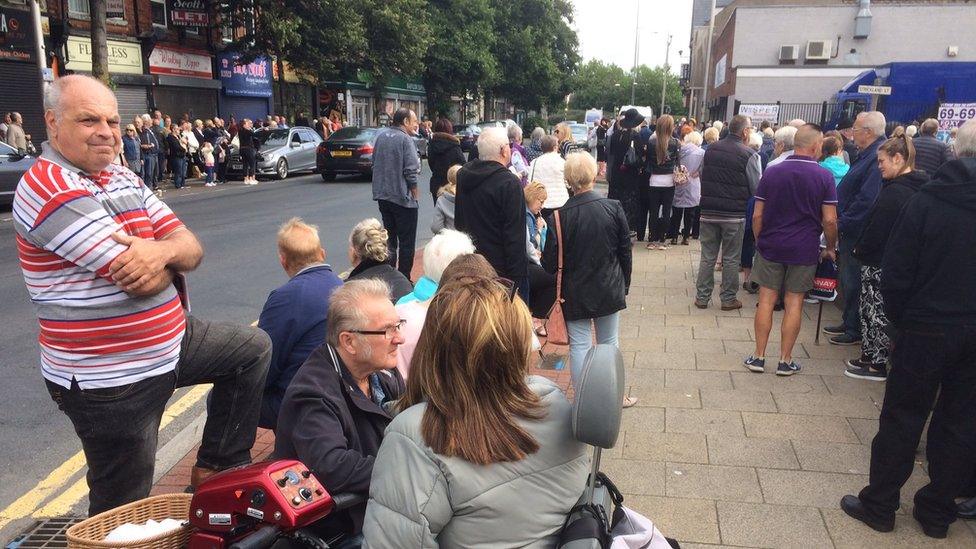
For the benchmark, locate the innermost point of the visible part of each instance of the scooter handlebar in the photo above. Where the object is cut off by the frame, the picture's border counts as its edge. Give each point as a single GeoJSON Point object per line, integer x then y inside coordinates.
{"type": "Point", "coordinates": [261, 538]}
{"type": "Point", "coordinates": [347, 500]}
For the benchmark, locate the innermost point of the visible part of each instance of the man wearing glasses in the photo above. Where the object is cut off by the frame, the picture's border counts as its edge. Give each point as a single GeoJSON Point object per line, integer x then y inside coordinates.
{"type": "Point", "coordinates": [334, 411]}
{"type": "Point", "coordinates": [856, 194]}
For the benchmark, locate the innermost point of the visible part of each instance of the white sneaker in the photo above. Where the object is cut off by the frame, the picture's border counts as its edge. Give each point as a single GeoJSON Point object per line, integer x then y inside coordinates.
{"type": "Point", "coordinates": [211, 184]}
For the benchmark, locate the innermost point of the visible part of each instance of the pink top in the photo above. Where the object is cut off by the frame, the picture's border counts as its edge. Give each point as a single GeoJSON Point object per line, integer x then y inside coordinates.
{"type": "Point", "coordinates": [415, 313]}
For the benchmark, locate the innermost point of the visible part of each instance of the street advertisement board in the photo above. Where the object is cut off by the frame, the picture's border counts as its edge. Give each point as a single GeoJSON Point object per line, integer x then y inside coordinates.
{"type": "Point", "coordinates": [16, 36]}
{"type": "Point", "coordinates": [115, 9]}
{"type": "Point", "coordinates": [250, 80]}
{"type": "Point", "coordinates": [123, 57]}
{"type": "Point", "coordinates": [187, 13]}
{"type": "Point", "coordinates": [174, 62]}
{"type": "Point", "coordinates": [953, 115]}
{"type": "Point", "coordinates": [760, 112]}
{"type": "Point", "coordinates": [593, 116]}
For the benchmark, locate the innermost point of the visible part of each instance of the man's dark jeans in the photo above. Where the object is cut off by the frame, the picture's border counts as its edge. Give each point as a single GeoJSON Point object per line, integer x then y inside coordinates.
{"type": "Point", "coordinates": [149, 170]}
{"type": "Point", "coordinates": [850, 285]}
{"type": "Point", "coordinates": [401, 224]}
{"type": "Point", "coordinates": [926, 361]}
{"type": "Point", "coordinates": [118, 426]}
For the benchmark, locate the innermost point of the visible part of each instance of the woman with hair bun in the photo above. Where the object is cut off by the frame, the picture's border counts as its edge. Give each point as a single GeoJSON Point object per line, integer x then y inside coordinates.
{"type": "Point", "coordinates": [896, 160]}
{"type": "Point", "coordinates": [370, 256]}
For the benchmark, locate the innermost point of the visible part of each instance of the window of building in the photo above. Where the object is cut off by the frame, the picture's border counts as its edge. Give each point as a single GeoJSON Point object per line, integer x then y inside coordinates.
{"type": "Point", "coordinates": [78, 8]}
{"type": "Point", "coordinates": [158, 8]}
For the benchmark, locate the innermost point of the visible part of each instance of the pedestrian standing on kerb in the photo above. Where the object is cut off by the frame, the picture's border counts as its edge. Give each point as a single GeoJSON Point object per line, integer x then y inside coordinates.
{"type": "Point", "coordinates": [16, 137]}
{"type": "Point", "coordinates": [149, 146]}
{"type": "Point", "coordinates": [796, 201]}
{"type": "Point", "coordinates": [396, 167]}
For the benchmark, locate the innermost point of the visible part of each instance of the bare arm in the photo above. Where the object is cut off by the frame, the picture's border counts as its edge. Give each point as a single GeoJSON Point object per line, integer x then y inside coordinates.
{"type": "Point", "coordinates": [757, 213]}
{"type": "Point", "coordinates": [145, 260]}
{"type": "Point", "coordinates": [829, 214]}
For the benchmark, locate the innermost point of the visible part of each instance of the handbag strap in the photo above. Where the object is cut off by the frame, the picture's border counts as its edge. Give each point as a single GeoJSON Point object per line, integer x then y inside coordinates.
{"type": "Point", "coordinates": [559, 264]}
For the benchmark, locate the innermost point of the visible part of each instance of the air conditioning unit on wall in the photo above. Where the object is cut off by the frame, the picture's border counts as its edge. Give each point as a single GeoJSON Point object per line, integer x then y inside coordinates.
{"type": "Point", "coordinates": [818, 50]}
{"type": "Point", "coordinates": [789, 53]}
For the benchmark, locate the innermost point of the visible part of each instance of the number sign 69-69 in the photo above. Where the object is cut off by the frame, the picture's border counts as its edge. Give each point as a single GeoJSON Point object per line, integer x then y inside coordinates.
{"type": "Point", "coordinates": [952, 115]}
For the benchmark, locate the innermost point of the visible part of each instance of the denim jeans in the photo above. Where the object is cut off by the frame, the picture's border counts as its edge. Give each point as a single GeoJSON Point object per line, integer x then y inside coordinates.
{"type": "Point", "coordinates": [178, 165]}
{"type": "Point", "coordinates": [401, 224]}
{"type": "Point", "coordinates": [850, 285]}
{"type": "Point", "coordinates": [728, 237]}
{"type": "Point", "coordinates": [118, 426]}
{"type": "Point", "coordinates": [149, 170]}
{"type": "Point", "coordinates": [581, 338]}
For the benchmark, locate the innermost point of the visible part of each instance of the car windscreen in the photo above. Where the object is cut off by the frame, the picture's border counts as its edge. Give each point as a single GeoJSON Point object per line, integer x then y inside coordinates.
{"type": "Point", "coordinates": [578, 131]}
{"type": "Point", "coordinates": [353, 132]}
{"type": "Point", "coordinates": [6, 149]}
{"type": "Point", "coordinates": [275, 138]}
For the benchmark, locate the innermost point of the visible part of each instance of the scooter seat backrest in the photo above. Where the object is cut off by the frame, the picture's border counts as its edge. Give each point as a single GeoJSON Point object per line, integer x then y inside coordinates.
{"type": "Point", "coordinates": [599, 393]}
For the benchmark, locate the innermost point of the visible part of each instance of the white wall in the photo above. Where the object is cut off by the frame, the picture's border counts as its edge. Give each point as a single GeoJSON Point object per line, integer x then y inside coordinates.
{"type": "Point", "coordinates": [898, 33]}
{"type": "Point", "coordinates": [790, 84]}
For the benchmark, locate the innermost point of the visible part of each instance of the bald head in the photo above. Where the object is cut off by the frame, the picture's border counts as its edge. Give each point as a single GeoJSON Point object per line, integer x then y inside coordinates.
{"type": "Point", "coordinates": [82, 118]}
{"type": "Point", "coordinates": [808, 141]}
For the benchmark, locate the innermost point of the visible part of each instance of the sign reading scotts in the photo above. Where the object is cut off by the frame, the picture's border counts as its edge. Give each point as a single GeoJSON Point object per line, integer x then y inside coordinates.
{"type": "Point", "coordinates": [188, 13]}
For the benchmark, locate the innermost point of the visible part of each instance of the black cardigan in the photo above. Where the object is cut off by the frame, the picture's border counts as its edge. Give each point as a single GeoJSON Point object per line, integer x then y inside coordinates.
{"type": "Point", "coordinates": [894, 194]}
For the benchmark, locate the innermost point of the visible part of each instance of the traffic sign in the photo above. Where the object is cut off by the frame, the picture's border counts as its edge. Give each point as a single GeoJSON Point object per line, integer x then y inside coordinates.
{"type": "Point", "coordinates": [874, 90]}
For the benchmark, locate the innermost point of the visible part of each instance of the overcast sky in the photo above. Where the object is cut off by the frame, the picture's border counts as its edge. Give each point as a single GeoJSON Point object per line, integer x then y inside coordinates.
{"type": "Point", "coordinates": [606, 30]}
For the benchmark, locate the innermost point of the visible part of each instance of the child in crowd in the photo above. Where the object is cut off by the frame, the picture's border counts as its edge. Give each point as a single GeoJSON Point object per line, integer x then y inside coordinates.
{"type": "Point", "coordinates": [444, 209]}
{"type": "Point", "coordinates": [207, 152]}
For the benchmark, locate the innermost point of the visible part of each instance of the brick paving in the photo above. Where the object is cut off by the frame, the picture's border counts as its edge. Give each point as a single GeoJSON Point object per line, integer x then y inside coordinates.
{"type": "Point", "coordinates": [718, 456]}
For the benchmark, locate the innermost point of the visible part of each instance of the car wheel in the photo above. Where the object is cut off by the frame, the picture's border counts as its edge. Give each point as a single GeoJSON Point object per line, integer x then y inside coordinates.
{"type": "Point", "coordinates": [281, 169]}
{"type": "Point", "coordinates": [328, 176]}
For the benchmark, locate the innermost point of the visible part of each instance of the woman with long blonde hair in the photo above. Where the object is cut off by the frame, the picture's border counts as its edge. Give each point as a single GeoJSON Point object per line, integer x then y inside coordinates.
{"type": "Point", "coordinates": [475, 434]}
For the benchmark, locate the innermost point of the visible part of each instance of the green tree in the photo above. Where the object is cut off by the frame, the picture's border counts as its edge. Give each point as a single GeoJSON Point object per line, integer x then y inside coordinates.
{"type": "Point", "coordinates": [459, 58]}
{"type": "Point", "coordinates": [599, 85]}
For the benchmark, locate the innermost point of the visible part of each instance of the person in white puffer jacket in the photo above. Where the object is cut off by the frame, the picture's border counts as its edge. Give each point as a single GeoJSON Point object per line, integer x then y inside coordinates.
{"type": "Point", "coordinates": [548, 170]}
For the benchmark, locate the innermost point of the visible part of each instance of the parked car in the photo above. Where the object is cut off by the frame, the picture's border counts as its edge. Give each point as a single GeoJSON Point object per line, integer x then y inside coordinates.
{"type": "Point", "coordinates": [281, 152]}
{"type": "Point", "coordinates": [12, 168]}
{"type": "Point", "coordinates": [467, 134]}
{"type": "Point", "coordinates": [347, 151]}
{"type": "Point", "coordinates": [580, 134]}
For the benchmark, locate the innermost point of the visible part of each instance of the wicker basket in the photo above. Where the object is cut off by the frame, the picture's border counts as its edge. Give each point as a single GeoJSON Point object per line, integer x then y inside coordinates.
{"type": "Point", "coordinates": [90, 533]}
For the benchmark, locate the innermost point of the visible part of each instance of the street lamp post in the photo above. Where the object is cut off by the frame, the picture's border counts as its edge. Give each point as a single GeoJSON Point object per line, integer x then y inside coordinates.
{"type": "Point", "coordinates": [664, 80]}
{"type": "Point", "coordinates": [708, 56]}
{"type": "Point", "coordinates": [633, 72]}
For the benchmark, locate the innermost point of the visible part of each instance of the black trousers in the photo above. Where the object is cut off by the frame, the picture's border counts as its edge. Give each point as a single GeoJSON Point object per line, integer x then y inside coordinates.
{"type": "Point", "coordinates": [655, 212]}
{"type": "Point", "coordinates": [401, 224]}
{"type": "Point", "coordinates": [250, 162]}
{"type": "Point", "coordinates": [543, 290]}
{"type": "Point", "coordinates": [677, 215]}
{"type": "Point", "coordinates": [118, 426]}
{"type": "Point", "coordinates": [696, 222]}
{"type": "Point", "coordinates": [927, 361]}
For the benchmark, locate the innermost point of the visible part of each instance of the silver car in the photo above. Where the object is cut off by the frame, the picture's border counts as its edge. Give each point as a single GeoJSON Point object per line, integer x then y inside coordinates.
{"type": "Point", "coordinates": [281, 152]}
{"type": "Point", "coordinates": [12, 167]}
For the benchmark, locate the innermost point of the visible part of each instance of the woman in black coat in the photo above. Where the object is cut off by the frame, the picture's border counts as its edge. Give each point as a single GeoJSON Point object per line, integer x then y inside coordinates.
{"type": "Point", "coordinates": [595, 242]}
{"type": "Point", "coordinates": [623, 180]}
{"type": "Point", "coordinates": [369, 256]}
{"type": "Point", "coordinates": [443, 152]}
{"type": "Point", "coordinates": [896, 159]}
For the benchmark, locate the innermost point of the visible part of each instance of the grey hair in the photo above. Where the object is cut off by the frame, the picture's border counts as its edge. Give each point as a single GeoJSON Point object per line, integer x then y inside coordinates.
{"type": "Point", "coordinates": [146, 118]}
{"type": "Point", "coordinates": [490, 143]}
{"type": "Point", "coordinates": [874, 121]}
{"type": "Point", "coordinates": [441, 251]}
{"type": "Point", "coordinates": [538, 133]}
{"type": "Point", "coordinates": [345, 306]}
{"type": "Point", "coordinates": [966, 140]}
{"type": "Point", "coordinates": [53, 93]}
{"type": "Point", "coordinates": [785, 136]}
{"type": "Point", "coordinates": [514, 132]}
{"type": "Point", "coordinates": [369, 240]}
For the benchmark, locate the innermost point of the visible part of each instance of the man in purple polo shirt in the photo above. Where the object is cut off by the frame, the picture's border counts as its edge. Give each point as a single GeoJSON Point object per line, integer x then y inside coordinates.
{"type": "Point", "coordinates": [795, 202]}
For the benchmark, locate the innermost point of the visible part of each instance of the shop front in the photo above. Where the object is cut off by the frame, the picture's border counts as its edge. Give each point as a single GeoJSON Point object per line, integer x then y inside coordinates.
{"type": "Point", "coordinates": [359, 103]}
{"type": "Point", "coordinates": [294, 93]}
{"type": "Point", "coordinates": [246, 89]}
{"type": "Point", "coordinates": [19, 73]}
{"type": "Point", "coordinates": [184, 83]}
{"type": "Point", "coordinates": [130, 85]}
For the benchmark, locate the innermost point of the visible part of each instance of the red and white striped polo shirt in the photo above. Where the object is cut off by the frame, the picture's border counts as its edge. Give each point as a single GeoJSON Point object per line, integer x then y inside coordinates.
{"type": "Point", "coordinates": [90, 329]}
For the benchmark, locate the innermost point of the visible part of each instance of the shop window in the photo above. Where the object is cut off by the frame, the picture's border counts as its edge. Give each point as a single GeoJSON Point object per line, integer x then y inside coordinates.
{"type": "Point", "coordinates": [78, 9]}
{"type": "Point", "coordinates": [158, 8]}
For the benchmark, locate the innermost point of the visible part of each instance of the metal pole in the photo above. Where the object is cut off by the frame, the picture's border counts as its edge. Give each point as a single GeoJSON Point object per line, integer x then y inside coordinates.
{"type": "Point", "coordinates": [664, 81]}
{"type": "Point", "coordinates": [39, 50]}
{"type": "Point", "coordinates": [633, 85]}
{"type": "Point", "coordinates": [708, 56]}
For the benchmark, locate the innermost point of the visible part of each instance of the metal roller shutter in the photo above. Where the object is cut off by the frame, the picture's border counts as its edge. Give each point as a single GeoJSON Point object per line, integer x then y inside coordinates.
{"type": "Point", "coordinates": [255, 108]}
{"type": "Point", "coordinates": [22, 93]}
{"type": "Point", "coordinates": [132, 102]}
{"type": "Point", "coordinates": [198, 103]}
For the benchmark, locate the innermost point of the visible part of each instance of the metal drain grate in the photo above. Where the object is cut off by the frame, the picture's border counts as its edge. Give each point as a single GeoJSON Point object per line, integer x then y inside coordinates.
{"type": "Point", "coordinates": [48, 533]}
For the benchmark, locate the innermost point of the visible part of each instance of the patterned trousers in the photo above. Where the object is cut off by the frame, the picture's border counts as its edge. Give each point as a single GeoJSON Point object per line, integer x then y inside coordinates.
{"type": "Point", "coordinates": [875, 343]}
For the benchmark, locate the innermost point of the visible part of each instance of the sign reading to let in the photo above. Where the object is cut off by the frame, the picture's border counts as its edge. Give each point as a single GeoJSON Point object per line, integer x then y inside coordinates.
{"type": "Point", "coordinates": [188, 13]}
{"type": "Point", "coordinates": [123, 57]}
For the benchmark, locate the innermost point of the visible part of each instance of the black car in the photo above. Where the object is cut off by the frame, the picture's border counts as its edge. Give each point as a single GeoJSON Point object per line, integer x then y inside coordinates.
{"type": "Point", "coordinates": [12, 168]}
{"type": "Point", "coordinates": [347, 151]}
{"type": "Point", "coordinates": [468, 135]}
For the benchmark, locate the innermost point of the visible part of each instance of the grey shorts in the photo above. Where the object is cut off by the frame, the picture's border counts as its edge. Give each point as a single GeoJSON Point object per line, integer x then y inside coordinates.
{"type": "Point", "coordinates": [778, 276]}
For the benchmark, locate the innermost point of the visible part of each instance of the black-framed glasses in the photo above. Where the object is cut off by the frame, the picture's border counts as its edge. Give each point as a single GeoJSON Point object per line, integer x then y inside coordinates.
{"type": "Point", "coordinates": [509, 286]}
{"type": "Point", "coordinates": [390, 332]}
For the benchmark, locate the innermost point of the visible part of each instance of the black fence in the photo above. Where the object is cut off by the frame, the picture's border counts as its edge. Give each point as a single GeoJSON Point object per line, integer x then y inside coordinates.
{"type": "Point", "coordinates": [828, 113]}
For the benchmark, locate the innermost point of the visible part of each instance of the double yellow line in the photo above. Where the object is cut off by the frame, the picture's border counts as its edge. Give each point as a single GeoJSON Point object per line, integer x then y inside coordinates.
{"type": "Point", "coordinates": [32, 503]}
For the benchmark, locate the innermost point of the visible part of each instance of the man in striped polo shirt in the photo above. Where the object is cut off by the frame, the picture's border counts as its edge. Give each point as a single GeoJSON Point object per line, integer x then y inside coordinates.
{"type": "Point", "coordinates": [100, 254]}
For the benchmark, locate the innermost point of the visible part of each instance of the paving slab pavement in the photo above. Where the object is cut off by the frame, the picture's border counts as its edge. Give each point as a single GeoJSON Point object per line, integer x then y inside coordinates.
{"type": "Point", "coordinates": [718, 456]}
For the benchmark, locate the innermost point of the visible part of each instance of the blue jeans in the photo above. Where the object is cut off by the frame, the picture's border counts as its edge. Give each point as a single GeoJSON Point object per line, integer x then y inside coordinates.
{"type": "Point", "coordinates": [149, 170]}
{"type": "Point", "coordinates": [178, 165]}
{"type": "Point", "coordinates": [850, 285]}
{"type": "Point", "coordinates": [581, 338]}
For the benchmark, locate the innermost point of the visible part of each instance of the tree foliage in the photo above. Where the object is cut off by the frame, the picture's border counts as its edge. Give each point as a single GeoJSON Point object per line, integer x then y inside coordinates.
{"type": "Point", "coordinates": [607, 86]}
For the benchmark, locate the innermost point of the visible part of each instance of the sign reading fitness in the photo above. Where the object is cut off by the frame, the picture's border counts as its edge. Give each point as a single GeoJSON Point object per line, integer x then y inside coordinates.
{"type": "Point", "coordinates": [250, 80]}
{"type": "Point", "coordinates": [187, 13]}
{"type": "Point", "coordinates": [16, 36]}
{"type": "Point", "coordinates": [123, 57]}
{"type": "Point", "coordinates": [953, 115]}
